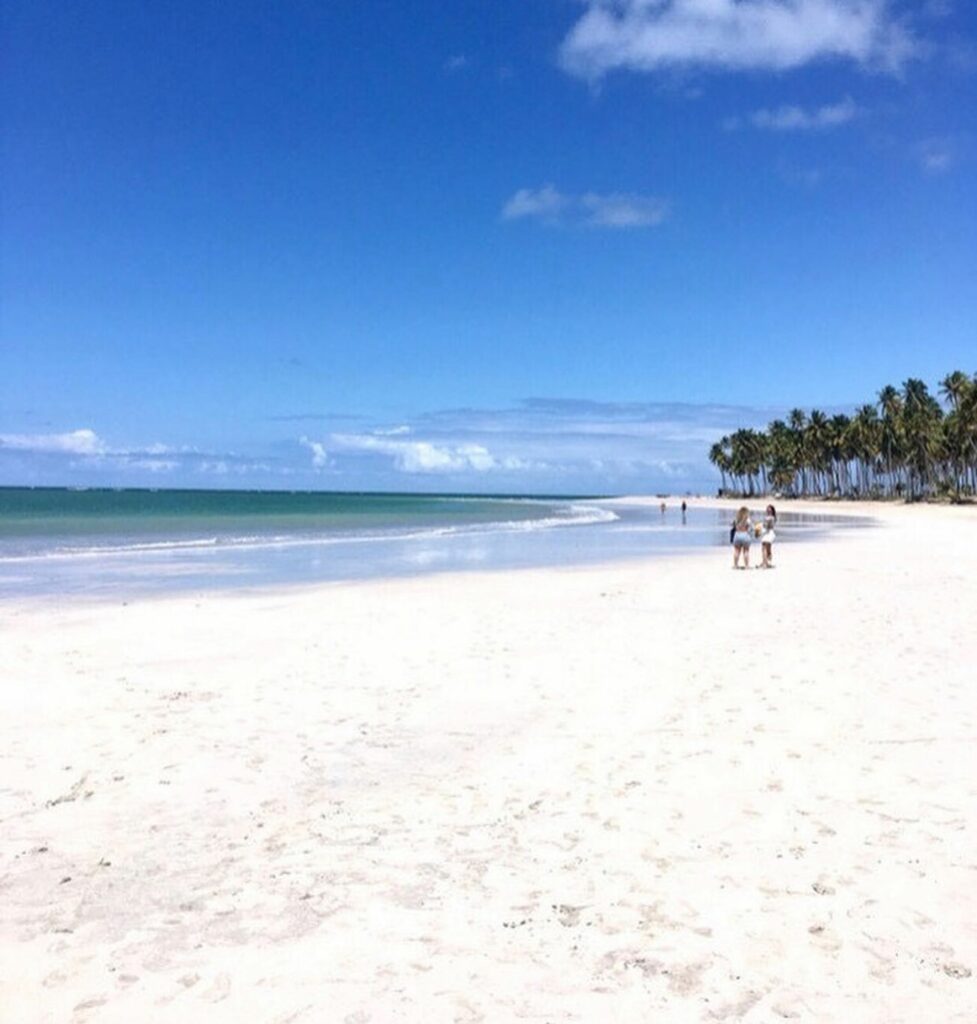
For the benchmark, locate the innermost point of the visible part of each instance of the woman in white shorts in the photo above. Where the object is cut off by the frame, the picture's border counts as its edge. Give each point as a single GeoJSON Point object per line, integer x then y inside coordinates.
{"type": "Point", "coordinates": [767, 537]}
{"type": "Point", "coordinates": [742, 538]}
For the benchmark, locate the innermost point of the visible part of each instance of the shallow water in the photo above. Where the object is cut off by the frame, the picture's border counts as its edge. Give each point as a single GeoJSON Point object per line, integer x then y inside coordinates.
{"type": "Point", "coordinates": [120, 544]}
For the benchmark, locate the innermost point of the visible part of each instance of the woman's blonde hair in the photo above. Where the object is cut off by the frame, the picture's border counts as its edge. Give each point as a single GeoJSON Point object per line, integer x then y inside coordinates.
{"type": "Point", "coordinates": [742, 515]}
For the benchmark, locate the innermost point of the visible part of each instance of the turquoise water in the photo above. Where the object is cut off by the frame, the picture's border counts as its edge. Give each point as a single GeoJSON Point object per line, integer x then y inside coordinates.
{"type": "Point", "coordinates": [42, 520]}
{"type": "Point", "coordinates": [57, 542]}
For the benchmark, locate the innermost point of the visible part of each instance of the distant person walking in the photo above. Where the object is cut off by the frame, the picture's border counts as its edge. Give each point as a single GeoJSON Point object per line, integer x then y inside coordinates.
{"type": "Point", "coordinates": [742, 538]}
{"type": "Point", "coordinates": [768, 536]}
{"type": "Point", "coordinates": [662, 506]}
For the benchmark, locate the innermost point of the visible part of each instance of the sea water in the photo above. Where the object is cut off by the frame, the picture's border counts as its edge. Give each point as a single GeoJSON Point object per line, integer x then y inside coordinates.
{"type": "Point", "coordinates": [117, 543]}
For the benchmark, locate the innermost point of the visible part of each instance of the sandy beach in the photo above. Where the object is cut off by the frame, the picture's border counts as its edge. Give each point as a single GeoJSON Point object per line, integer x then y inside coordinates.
{"type": "Point", "coordinates": [656, 791]}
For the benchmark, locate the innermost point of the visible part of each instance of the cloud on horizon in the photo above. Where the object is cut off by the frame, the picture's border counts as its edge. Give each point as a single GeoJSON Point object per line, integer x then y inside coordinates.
{"type": "Point", "coordinates": [733, 35]}
{"type": "Point", "coordinates": [538, 444]}
{"type": "Point", "coordinates": [418, 456]}
{"type": "Point", "coordinates": [84, 450]}
{"type": "Point", "coordinates": [590, 209]}
{"type": "Point", "coordinates": [74, 442]}
{"type": "Point", "coordinates": [548, 444]}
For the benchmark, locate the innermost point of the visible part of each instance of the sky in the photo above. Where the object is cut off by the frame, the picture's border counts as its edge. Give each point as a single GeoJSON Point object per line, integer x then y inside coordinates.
{"type": "Point", "coordinates": [505, 246]}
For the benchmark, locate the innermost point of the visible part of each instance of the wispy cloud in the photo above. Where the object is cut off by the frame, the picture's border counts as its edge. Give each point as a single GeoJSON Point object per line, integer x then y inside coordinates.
{"type": "Point", "coordinates": [590, 209]}
{"type": "Point", "coordinates": [422, 456]}
{"type": "Point", "coordinates": [622, 210]}
{"type": "Point", "coordinates": [84, 449]}
{"type": "Point", "coordinates": [937, 156]}
{"type": "Point", "coordinates": [74, 442]}
{"type": "Point", "coordinates": [316, 417]}
{"type": "Point", "coordinates": [320, 457]}
{"type": "Point", "coordinates": [545, 204]}
{"type": "Point", "coordinates": [545, 443]}
{"type": "Point", "coordinates": [456, 62]}
{"type": "Point", "coordinates": [649, 35]}
{"type": "Point", "coordinates": [537, 444]}
{"type": "Point", "coordinates": [793, 118]}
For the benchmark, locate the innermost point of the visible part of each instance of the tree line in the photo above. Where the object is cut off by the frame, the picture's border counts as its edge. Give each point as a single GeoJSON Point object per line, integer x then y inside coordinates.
{"type": "Point", "coordinates": [906, 444]}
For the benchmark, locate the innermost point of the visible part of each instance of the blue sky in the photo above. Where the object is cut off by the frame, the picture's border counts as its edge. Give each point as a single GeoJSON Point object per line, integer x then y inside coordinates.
{"type": "Point", "coordinates": [510, 245]}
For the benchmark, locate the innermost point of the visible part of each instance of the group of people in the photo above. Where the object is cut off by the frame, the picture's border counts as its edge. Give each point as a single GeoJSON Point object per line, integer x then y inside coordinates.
{"type": "Point", "coordinates": [744, 531]}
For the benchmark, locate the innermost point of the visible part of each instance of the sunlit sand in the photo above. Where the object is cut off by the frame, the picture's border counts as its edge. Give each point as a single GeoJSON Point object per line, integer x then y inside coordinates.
{"type": "Point", "coordinates": [660, 791]}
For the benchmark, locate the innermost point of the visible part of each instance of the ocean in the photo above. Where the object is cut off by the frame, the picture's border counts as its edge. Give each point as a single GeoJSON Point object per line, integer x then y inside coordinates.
{"type": "Point", "coordinates": [118, 543]}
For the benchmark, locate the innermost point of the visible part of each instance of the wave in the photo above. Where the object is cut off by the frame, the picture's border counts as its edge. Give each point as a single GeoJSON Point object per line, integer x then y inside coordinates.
{"type": "Point", "coordinates": [575, 515]}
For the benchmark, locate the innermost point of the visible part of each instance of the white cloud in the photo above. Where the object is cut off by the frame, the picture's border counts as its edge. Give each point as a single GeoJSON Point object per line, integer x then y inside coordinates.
{"type": "Point", "coordinates": [75, 442]}
{"type": "Point", "coordinates": [84, 450]}
{"type": "Point", "coordinates": [623, 211]}
{"type": "Point", "coordinates": [392, 431]}
{"type": "Point", "coordinates": [545, 443]}
{"type": "Point", "coordinates": [791, 118]}
{"type": "Point", "coordinates": [153, 465]}
{"type": "Point", "coordinates": [546, 203]}
{"type": "Point", "coordinates": [427, 456]}
{"type": "Point", "coordinates": [649, 35]}
{"type": "Point", "coordinates": [320, 457]}
{"type": "Point", "coordinates": [457, 62]}
{"type": "Point", "coordinates": [613, 210]}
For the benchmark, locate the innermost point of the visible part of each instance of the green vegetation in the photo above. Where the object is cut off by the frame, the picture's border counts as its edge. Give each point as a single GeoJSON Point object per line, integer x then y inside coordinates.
{"type": "Point", "coordinates": [906, 445]}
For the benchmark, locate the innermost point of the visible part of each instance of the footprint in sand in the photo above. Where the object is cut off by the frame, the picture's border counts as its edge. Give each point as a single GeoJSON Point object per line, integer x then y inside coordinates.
{"type": "Point", "coordinates": [567, 915]}
{"type": "Point", "coordinates": [824, 938]}
{"type": "Point", "coordinates": [90, 1004]}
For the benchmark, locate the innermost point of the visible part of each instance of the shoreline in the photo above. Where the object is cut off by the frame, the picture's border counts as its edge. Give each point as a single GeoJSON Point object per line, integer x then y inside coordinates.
{"type": "Point", "coordinates": [658, 789]}
{"type": "Point", "coordinates": [114, 594]}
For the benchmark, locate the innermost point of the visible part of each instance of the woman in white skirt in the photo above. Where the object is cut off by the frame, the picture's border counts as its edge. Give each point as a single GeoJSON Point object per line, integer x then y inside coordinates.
{"type": "Point", "coordinates": [767, 537]}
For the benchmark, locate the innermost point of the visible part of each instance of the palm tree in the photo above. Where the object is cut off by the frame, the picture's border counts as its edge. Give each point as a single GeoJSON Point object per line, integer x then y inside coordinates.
{"type": "Point", "coordinates": [922, 415]}
{"type": "Point", "coordinates": [797, 421]}
{"type": "Point", "coordinates": [816, 444]}
{"type": "Point", "coordinates": [959, 441]}
{"type": "Point", "coordinates": [890, 405]}
{"type": "Point", "coordinates": [954, 388]}
{"type": "Point", "coordinates": [906, 443]}
{"type": "Point", "coordinates": [781, 456]}
{"type": "Point", "coordinates": [719, 458]}
{"type": "Point", "coordinates": [866, 444]}
{"type": "Point", "coordinates": [839, 452]}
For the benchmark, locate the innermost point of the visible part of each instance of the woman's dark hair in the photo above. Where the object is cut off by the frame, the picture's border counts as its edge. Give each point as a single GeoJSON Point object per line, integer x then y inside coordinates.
{"type": "Point", "coordinates": [770, 508]}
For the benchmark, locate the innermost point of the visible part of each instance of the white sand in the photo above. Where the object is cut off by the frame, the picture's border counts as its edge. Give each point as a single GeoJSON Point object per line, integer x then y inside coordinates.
{"type": "Point", "coordinates": [661, 792]}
